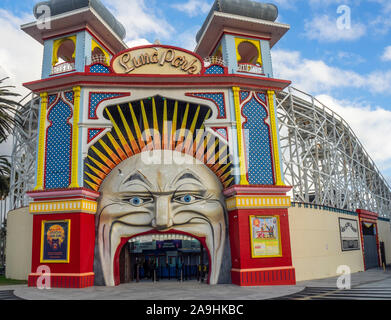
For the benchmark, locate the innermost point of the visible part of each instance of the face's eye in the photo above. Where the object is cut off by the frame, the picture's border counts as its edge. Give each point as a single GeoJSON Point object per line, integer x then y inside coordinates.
{"type": "Point", "coordinates": [187, 199]}
{"type": "Point", "coordinates": [138, 201]}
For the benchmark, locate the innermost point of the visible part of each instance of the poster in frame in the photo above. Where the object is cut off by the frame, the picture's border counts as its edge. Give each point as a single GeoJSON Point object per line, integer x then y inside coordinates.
{"type": "Point", "coordinates": [349, 234]}
{"type": "Point", "coordinates": [265, 236]}
{"type": "Point", "coordinates": [55, 241]}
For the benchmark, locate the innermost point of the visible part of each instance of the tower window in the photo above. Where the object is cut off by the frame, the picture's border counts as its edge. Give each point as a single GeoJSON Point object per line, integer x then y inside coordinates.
{"type": "Point", "coordinates": [248, 53]}
{"type": "Point", "coordinates": [64, 52]}
{"type": "Point", "coordinates": [249, 57]}
{"type": "Point", "coordinates": [98, 56]}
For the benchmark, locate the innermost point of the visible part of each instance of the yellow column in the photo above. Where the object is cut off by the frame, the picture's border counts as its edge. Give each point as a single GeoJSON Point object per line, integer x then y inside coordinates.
{"type": "Point", "coordinates": [274, 129]}
{"type": "Point", "coordinates": [41, 141]}
{"type": "Point", "coordinates": [75, 139]}
{"type": "Point", "coordinates": [242, 155]}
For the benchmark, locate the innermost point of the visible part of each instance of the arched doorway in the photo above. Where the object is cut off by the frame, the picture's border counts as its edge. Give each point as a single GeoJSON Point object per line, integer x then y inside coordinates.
{"type": "Point", "coordinates": [163, 257]}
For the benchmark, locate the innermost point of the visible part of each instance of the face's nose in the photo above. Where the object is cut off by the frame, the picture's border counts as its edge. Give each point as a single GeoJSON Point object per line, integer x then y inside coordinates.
{"type": "Point", "coordinates": [163, 218]}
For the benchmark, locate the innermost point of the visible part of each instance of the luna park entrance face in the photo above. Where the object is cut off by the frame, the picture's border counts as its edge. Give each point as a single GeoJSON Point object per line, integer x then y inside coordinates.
{"type": "Point", "coordinates": [163, 258]}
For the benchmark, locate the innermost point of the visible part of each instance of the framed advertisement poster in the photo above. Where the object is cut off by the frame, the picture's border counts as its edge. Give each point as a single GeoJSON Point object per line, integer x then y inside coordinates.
{"type": "Point", "coordinates": [55, 242]}
{"type": "Point", "coordinates": [265, 236]}
{"type": "Point", "coordinates": [350, 237]}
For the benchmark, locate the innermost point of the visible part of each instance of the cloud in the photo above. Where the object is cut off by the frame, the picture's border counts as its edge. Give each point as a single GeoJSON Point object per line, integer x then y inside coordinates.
{"type": "Point", "coordinates": [386, 5]}
{"type": "Point", "coordinates": [324, 28]}
{"type": "Point", "coordinates": [312, 75]}
{"type": "Point", "coordinates": [193, 7]}
{"type": "Point", "coordinates": [369, 123]}
{"type": "Point", "coordinates": [387, 54]}
{"type": "Point", "coordinates": [315, 76]}
{"type": "Point", "coordinates": [20, 55]}
{"type": "Point", "coordinates": [137, 43]}
{"type": "Point", "coordinates": [140, 20]}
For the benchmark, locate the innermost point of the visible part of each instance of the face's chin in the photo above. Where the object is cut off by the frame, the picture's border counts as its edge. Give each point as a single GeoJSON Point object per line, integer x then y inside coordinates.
{"type": "Point", "coordinates": [164, 217]}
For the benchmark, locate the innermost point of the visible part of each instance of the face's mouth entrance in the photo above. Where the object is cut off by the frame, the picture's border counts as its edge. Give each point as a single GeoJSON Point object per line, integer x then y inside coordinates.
{"type": "Point", "coordinates": [160, 256]}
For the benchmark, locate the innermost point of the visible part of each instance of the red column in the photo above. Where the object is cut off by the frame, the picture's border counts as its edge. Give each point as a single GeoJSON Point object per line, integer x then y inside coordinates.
{"type": "Point", "coordinates": [74, 208]}
{"type": "Point", "coordinates": [264, 202]}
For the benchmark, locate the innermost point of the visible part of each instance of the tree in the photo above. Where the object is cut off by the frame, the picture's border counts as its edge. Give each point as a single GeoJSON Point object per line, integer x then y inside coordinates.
{"type": "Point", "coordinates": [8, 119]}
{"type": "Point", "coordinates": [5, 172]}
{"type": "Point", "coordinates": [8, 110]}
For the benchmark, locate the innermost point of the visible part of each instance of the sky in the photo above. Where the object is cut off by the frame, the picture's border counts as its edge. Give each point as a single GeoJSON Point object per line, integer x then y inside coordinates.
{"type": "Point", "coordinates": [337, 50]}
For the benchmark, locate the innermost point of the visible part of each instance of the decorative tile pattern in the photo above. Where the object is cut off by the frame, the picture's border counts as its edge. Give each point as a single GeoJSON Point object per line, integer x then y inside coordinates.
{"type": "Point", "coordinates": [258, 143]}
{"type": "Point", "coordinates": [58, 147]}
{"type": "Point", "coordinates": [79, 205]}
{"type": "Point", "coordinates": [258, 202]}
{"type": "Point", "coordinates": [261, 96]}
{"type": "Point", "coordinates": [222, 131]}
{"type": "Point", "coordinates": [92, 133]}
{"type": "Point", "coordinates": [215, 69]}
{"type": "Point", "coordinates": [52, 98]}
{"type": "Point", "coordinates": [217, 98]}
{"type": "Point", "coordinates": [244, 95]}
{"type": "Point", "coordinates": [99, 68]}
{"type": "Point", "coordinates": [69, 96]}
{"type": "Point", "coordinates": [97, 98]}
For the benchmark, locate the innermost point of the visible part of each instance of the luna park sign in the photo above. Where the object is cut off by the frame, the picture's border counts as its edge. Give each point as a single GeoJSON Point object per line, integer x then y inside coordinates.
{"type": "Point", "coordinates": [157, 59]}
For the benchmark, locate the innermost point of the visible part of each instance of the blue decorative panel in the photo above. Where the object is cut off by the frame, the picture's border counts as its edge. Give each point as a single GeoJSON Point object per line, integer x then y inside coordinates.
{"type": "Point", "coordinates": [222, 131]}
{"type": "Point", "coordinates": [92, 133]}
{"type": "Point", "coordinates": [99, 68]}
{"type": "Point", "coordinates": [217, 98]}
{"type": "Point", "coordinates": [58, 147]}
{"type": "Point", "coordinates": [52, 98]}
{"type": "Point", "coordinates": [69, 96]}
{"type": "Point", "coordinates": [244, 95]}
{"type": "Point", "coordinates": [262, 97]}
{"type": "Point", "coordinates": [258, 144]}
{"type": "Point", "coordinates": [96, 98]}
{"type": "Point", "coordinates": [215, 69]}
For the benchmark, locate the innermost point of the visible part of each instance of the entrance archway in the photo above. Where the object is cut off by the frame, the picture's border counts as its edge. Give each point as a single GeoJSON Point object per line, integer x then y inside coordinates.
{"type": "Point", "coordinates": [162, 256]}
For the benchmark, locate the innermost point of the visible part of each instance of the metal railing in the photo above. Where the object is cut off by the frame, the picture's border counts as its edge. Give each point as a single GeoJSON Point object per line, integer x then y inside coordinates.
{"type": "Point", "coordinates": [208, 61]}
{"type": "Point", "coordinates": [99, 59]}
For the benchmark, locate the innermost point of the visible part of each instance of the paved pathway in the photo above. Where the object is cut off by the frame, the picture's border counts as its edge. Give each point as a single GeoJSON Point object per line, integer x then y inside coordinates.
{"type": "Point", "coordinates": [370, 284]}
{"type": "Point", "coordinates": [8, 295]}
{"type": "Point", "coordinates": [163, 290]}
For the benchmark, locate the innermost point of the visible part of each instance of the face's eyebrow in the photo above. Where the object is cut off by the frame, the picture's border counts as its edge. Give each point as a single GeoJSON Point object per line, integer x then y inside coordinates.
{"type": "Point", "coordinates": [187, 175]}
{"type": "Point", "coordinates": [137, 177]}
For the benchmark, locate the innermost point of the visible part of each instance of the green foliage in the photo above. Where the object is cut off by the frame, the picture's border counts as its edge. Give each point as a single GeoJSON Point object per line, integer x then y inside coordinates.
{"type": "Point", "coordinates": [8, 282]}
{"type": "Point", "coordinates": [5, 171]}
{"type": "Point", "coordinates": [8, 110]}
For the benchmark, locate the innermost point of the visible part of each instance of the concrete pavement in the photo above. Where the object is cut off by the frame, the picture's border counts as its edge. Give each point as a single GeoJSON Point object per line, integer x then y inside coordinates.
{"type": "Point", "coordinates": [191, 290]}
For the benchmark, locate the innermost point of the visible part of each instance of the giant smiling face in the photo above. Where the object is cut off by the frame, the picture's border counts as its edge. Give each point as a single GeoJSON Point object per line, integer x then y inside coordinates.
{"type": "Point", "coordinates": [183, 196]}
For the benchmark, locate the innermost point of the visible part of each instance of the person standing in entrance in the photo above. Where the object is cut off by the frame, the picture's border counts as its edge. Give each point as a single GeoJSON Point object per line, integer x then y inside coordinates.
{"type": "Point", "coordinates": [138, 265]}
{"type": "Point", "coordinates": [180, 269]}
{"type": "Point", "coordinates": [204, 272]}
{"type": "Point", "coordinates": [156, 269]}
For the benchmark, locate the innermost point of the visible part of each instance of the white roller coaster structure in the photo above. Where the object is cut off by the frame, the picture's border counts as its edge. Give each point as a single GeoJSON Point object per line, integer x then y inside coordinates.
{"type": "Point", "coordinates": [324, 160]}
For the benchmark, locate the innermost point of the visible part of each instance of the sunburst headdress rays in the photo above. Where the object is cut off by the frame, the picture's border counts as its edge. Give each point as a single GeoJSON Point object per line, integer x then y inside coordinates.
{"type": "Point", "coordinates": [156, 124]}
